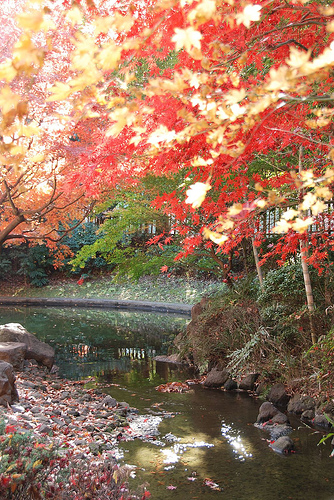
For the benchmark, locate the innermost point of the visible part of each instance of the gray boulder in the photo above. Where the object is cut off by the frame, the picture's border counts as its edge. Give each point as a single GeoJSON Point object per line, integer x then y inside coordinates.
{"type": "Point", "coordinates": [321, 421]}
{"type": "Point", "coordinates": [216, 378]}
{"type": "Point", "coordinates": [280, 418]}
{"type": "Point", "coordinates": [267, 411]}
{"type": "Point", "coordinates": [278, 396]}
{"type": "Point", "coordinates": [299, 403]}
{"type": "Point", "coordinates": [248, 382]}
{"type": "Point", "coordinates": [40, 351]}
{"type": "Point", "coordinates": [307, 416]}
{"type": "Point", "coordinates": [13, 353]}
{"type": "Point", "coordinates": [8, 391]}
{"type": "Point", "coordinates": [230, 385]}
{"type": "Point", "coordinates": [283, 444]}
{"type": "Point", "coordinates": [261, 388]}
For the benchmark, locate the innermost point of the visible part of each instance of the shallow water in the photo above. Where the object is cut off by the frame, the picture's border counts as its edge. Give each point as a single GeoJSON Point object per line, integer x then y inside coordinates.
{"type": "Point", "coordinates": [208, 446]}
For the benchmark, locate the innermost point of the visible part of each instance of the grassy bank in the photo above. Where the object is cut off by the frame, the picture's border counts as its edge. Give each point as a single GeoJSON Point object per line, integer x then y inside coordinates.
{"type": "Point", "coordinates": [151, 288]}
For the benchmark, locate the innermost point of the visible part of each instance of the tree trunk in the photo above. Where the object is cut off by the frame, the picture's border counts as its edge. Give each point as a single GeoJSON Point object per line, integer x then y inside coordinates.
{"type": "Point", "coordinates": [18, 219]}
{"type": "Point", "coordinates": [306, 274]}
{"type": "Point", "coordinates": [257, 263]}
{"type": "Point", "coordinates": [308, 288]}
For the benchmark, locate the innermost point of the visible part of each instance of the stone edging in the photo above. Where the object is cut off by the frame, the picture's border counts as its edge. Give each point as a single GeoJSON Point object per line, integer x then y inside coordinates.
{"type": "Point", "coordinates": [139, 305]}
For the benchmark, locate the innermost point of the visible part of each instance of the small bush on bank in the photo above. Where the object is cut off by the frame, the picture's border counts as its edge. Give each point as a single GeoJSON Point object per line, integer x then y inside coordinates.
{"type": "Point", "coordinates": [267, 330]}
{"type": "Point", "coordinates": [35, 263]}
{"type": "Point", "coordinates": [321, 357]}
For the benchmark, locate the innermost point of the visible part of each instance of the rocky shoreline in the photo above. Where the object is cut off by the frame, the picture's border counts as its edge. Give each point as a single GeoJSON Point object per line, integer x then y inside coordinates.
{"type": "Point", "coordinates": [82, 424]}
{"type": "Point", "coordinates": [76, 429]}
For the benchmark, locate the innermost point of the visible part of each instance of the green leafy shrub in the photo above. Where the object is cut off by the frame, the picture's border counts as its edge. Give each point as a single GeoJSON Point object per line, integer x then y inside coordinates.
{"type": "Point", "coordinates": [34, 263]}
{"type": "Point", "coordinates": [85, 235]}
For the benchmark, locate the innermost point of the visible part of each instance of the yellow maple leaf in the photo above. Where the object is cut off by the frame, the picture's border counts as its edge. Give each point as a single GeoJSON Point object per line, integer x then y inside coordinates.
{"type": "Point", "coordinates": [301, 225]}
{"type": "Point", "coordinates": [324, 192]}
{"type": "Point", "coordinates": [290, 214]}
{"type": "Point", "coordinates": [298, 57]}
{"type": "Point", "coordinates": [330, 27]}
{"type": "Point", "coordinates": [186, 39]}
{"type": "Point", "coordinates": [26, 54]}
{"type": "Point", "coordinates": [225, 224]}
{"type": "Point", "coordinates": [218, 238]}
{"type": "Point", "coordinates": [261, 203]}
{"type": "Point", "coordinates": [308, 201]}
{"type": "Point", "coordinates": [122, 23]}
{"type": "Point", "coordinates": [235, 96]}
{"type": "Point", "coordinates": [122, 117]}
{"type": "Point", "coordinates": [250, 13]}
{"type": "Point", "coordinates": [74, 16]}
{"type": "Point", "coordinates": [59, 92]}
{"type": "Point", "coordinates": [161, 134]}
{"type": "Point", "coordinates": [32, 20]}
{"type": "Point", "coordinates": [7, 71]}
{"type": "Point", "coordinates": [318, 207]}
{"type": "Point", "coordinates": [8, 100]}
{"type": "Point", "coordinates": [282, 227]}
{"type": "Point", "coordinates": [37, 158]}
{"type": "Point", "coordinates": [28, 130]}
{"type": "Point", "coordinates": [261, 104]}
{"type": "Point", "coordinates": [196, 193]}
{"type": "Point", "coordinates": [235, 209]}
{"type": "Point", "coordinates": [109, 56]}
{"type": "Point", "coordinates": [201, 162]}
{"type": "Point", "coordinates": [203, 11]}
{"type": "Point", "coordinates": [237, 110]}
{"type": "Point", "coordinates": [279, 79]}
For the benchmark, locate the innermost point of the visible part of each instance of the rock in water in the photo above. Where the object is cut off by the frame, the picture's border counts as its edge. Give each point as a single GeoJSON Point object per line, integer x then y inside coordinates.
{"type": "Point", "coordinates": [283, 444]}
{"type": "Point", "coordinates": [216, 378]}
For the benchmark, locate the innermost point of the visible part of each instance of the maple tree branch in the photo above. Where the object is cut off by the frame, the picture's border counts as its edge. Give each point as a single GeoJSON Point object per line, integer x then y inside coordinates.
{"type": "Point", "coordinates": [292, 40]}
{"type": "Point", "coordinates": [5, 233]}
{"type": "Point", "coordinates": [274, 129]}
{"type": "Point", "coordinates": [10, 199]}
{"type": "Point", "coordinates": [70, 203]}
{"type": "Point", "coordinates": [24, 235]}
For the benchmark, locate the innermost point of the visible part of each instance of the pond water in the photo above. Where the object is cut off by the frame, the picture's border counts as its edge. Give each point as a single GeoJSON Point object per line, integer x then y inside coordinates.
{"type": "Point", "coordinates": [207, 445]}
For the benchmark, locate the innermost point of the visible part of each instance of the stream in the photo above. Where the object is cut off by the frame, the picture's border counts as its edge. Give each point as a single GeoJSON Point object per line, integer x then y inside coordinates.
{"type": "Point", "coordinates": [206, 444]}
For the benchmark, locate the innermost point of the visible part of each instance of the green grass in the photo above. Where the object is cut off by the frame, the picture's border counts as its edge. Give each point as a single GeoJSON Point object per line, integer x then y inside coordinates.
{"type": "Point", "coordinates": [150, 288]}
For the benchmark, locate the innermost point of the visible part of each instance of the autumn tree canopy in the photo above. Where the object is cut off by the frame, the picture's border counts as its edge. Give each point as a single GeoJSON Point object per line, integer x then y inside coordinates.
{"type": "Point", "coordinates": [34, 192]}
{"type": "Point", "coordinates": [240, 95]}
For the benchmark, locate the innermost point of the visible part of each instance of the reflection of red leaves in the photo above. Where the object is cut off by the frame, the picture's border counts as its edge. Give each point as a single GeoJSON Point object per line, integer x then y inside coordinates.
{"type": "Point", "coordinates": [173, 387]}
{"type": "Point", "coordinates": [171, 487]}
{"type": "Point", "coordinates": [211, 484]}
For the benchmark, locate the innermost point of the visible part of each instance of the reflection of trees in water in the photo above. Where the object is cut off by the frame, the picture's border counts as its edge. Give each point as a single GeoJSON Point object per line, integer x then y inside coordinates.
{"type": "Point", "coordinates": [96, 342]}
{"type": "Point", "coordinates": [46, 322]}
